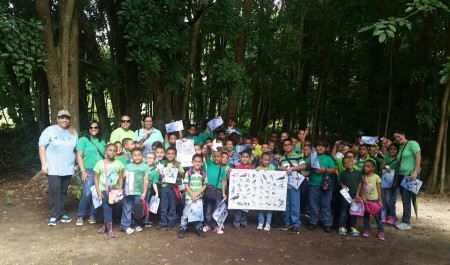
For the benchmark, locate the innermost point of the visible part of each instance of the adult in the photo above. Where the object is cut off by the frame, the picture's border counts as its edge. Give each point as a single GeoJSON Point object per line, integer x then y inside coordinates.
{"type": "Point", "coordinates": [357, 143]}
{"type": "Point", "coordinates": [57, 154]}
{"type": "Point", "coordinates": [319, 198]}
{"type": "Point", "coordinates": [147, 135]}
{"type": "Point", "coordinates": [123, 131]}
{"type": "Point", "coordinates": [409, 158]}
{"type": "Point", "coordinates": [301, 138]}
{"type": "Point", "coordinates": [90, 150]}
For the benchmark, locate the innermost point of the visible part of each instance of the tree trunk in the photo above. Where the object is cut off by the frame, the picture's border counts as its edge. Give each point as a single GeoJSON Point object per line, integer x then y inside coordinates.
{"type": "Point", "coordinates": [239, 57]}
{"type": "Point", "coordinates": [62, 57]}
{"type": "Point", "coordinates": [444, 150]}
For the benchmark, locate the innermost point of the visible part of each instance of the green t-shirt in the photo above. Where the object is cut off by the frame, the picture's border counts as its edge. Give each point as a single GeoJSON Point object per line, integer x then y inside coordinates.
{"type": "Point", "coordinates": [153, 177]}
{"type": "Point", "coordinates": [122, 160]}
{"type": "Point", "coordinates": [195, 183]}
{"type": "Point", "coordinates": [119, 134]}
{"type": "Point", "coordinates": [212, 173]}
{"type": "Point", "coordinates": [370, 187]}
{"type": "Point", "coordinates": [112, 170]}
{"type": "Point", "coordinates": [393, 165]}
{"type": "Point", "coordinates": [90, 153]}
{"type": "Point", "coordinates": [269, 167]}
{"type": "Point", "coordinates": [408, 159]}
{"type": "Point", "coordinates": [139, 170]}
{"type": "Point", "coordinates": [325, 161]}
{"type": "Point", "coordinates": [351, 180]}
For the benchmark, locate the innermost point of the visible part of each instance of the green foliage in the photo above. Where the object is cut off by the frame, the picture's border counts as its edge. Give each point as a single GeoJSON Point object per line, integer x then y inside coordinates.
{"type": "Point", "coordinates": [428, 112]}
{"type": "Point", "coordinates": [228, 72]}
{"type": "Point", "coordinates": [445, 72]}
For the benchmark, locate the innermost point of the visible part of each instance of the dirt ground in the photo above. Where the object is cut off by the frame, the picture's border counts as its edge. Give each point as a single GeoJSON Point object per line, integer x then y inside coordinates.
{"type": "Point", "coordinates": [27, 239]}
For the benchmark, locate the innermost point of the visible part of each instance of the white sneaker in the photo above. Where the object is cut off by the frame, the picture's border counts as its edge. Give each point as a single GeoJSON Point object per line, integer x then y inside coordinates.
{"type": "Point", "coordinates": [79, 221]}
{"type": "Point", "coordinates": [267, 227]}
{"type": "Point", "coordinates": [218, 231]}
{"type": "Point", "coordinates": [129, 231]}
{"type": "Point", "coordinates": [260, 227]}
{"type": "Point", "coordinates": [403, 226]}
{"type": "Point", "coordinates": [206, 228]}
{"type": "Point", "coordinates": [138, 229]}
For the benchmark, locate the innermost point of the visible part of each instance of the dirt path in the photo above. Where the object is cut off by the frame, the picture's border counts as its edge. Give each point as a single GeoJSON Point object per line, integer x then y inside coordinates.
{"type": "Point", "coordinates": [26, 239]}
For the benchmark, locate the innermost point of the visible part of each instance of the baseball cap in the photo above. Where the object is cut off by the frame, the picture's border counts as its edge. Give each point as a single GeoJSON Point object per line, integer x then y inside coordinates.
{"type": "Point", "coordinates": [63, 112]}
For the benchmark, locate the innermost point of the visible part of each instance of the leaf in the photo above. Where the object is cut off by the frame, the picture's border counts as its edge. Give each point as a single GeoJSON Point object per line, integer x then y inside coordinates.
{"type": "Point", "coordinates": [409, 9]}
{"type": "Point", "coordinates": [444, 79]}
{"type": "Point", "coordinates": [378, 32]}
{"type": "Point", "coordinates": [382, 38]}
{"type": "Point", "coordinates": [392, 27]}
{"type": "Point", "coordinates": [390, 33]}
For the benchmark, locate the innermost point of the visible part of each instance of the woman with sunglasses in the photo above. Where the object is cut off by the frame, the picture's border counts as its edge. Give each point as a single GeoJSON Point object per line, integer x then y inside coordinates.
{"type": "Point", "coordinates": [56, 152]}
{"type": "Point", "coordinates": [90, 150]}
{"type": "Point", "coordinates": [123, 131]}
{"type": "Point", "coordinates": [147, 135]}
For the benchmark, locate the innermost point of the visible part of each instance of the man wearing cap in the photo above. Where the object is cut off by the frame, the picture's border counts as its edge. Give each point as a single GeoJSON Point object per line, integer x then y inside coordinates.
{"type": "Point", "coordinates": [57, 154]}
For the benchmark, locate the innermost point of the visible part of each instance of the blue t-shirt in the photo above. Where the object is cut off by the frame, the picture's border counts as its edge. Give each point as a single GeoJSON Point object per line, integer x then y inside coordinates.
{"type": "Point", "coordinates": [154, 136]}
{"type": "Point", "coordinates": [59, 147]}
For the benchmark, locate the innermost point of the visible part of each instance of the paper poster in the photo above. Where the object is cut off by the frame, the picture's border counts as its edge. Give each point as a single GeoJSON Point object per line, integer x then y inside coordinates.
{"type": "Point", "coordinates": [257, 190]}
{"type": "Point", "coordinates": [129, 183]}
{"type": "Point", "coordinates": [412, 186]}
{"type": "Point", "coordinates": [169, 175]}
{"type": "Point", "coordinates": [387, 179]}
{"type": "Point", "coordinates": [371, 140]}
{"type": "Point", "coordinates": [346, 195]}
{"type": "Point", "coordinates": [314, 161]}
{"type": "Point", "coordinates": [295, 179]}
{"type": "Point", "coordinates": [215, 123]}
{"type": "Point", "coordinates": [232, 130]}
{"type": "Point", "coordinates": [174, 126]}
{"type": "Point", "coordinates": [221, 213]}
{"type": "Point", "coordinates": [216, 145]}
{"type": "Point", "coordinates": [185, 151]}
{"type": "Point", "coordinates": [195, 213]}
{"type": "Point", "coordinates": [154, 204]}
{"type": "Point", "coordinates": [95, 199]}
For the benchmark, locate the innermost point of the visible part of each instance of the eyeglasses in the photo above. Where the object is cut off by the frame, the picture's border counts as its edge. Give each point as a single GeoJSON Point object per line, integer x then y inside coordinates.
{"type": "Point", "coordinates": [147, 121]}
{"type": "Point", "coordinates": [93, 128]}
{"type": "Point", "coordinates": [287, 144]}
{"type": "Point", "coordinates": [125, 121]}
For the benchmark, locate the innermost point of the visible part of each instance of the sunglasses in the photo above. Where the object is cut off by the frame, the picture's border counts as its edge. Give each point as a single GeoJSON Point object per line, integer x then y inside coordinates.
{"type": "Point", "coordinates": [93, 128]}
{"type": "Point", "coordinates": [125, 121]}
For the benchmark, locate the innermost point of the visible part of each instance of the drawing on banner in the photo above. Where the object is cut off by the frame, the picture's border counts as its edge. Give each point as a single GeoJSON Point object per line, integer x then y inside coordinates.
{"type": "Point", "coordinates": [195, 213]}
{"type": "Point", "coordinates": [170, 175]}
{"type": "Point", "coordinates": [95, 199]}
{"type": "Point", "coordinates": [412, 186]}
{"type": "Point", "coordinates": [387, 178]}
{"type": "Point", "coordinates": [185, 151]}
{"type": "Point", "coordinates": [346, 194]}
{"type": "Point", "coordinates": [369, 139]}
{"type": "Point", "coordinates": [295, 179]}
{"type": "Point", "coordinates": [129, 183]}
{"type": "Point", "coordinates": [174, 126]}
{"type": "Point", "coordinates": [221, 213]}
{"type": "Point", "coordinates": [215, 123]}
{"type": "Point", "coordinates": [314, 160]}
{"type": "Point", "coordinates": [154, 204]}
{"type": "Point", "coordinates": [257, 190]}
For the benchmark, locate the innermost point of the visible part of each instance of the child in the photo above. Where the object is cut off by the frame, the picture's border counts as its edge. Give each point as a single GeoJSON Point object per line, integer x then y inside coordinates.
{"type": "Point", "coordinates": [170, 140]}
{"type": "Point", "coordinates": [221, 135]}
{"type": "Point", "coordinates": [168, 193]}
{"type": "Point", "coordinates": [108, 174]}
{"type": "Point", "coordinates": [215, 173]}
{"type": "Point", "coordinates": [349, 179]}
{"type": "Point", "coordinates": [119, 154]}
{"type": "Point", "coordinates": [141, 172]}
{"type": "Point", "coordinates": [153, 179]}
{"type": "Point", "coordinates": [304, 187]}
{"type": "Point", "coordinates": [195, 184]}
{"type": "Point", "coordinates": [389, 195]}
{"type": "Point", "coordinates": [240, 216]}
{"type": "Point", "coordinates": [291, 162]}
{"type": "Point", "coordinates": [276, 156]}
{"type": "Point", "coordinates": [128, 145]}
{"type": "Point", "coordinates": [265, 165]}
{"type": "Point", "coordinates": [229, 150]}
{"type": "Point", "coordinates": [370, 189]}
{"type": "Point", "coordinates": [362, 156]}
{"type": "Point", "coordinates": [197, 149]}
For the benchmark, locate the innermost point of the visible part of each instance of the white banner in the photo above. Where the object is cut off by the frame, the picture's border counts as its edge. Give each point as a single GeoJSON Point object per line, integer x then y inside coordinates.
{"type": "Point", "coordinates": [185, 151]}
{"type": "Point", "coordinates": [174, 126]}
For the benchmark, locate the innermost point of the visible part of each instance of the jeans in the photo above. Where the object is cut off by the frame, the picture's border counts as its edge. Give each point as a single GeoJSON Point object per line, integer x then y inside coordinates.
{"type": "Point", "coordinates": [184, 218]}
{"type": "Point", "coordinates": [107, 208]}
{"type": "Point", "coordinates": [127, 219]}
{"type": "Point", "coordinates": [168, 207]}
{"type": "Point", "coordinates": [268, 217]}
{"type": "Point", "coordinates": [336, 203]}
{"type": "Point", "coordinates": [210, 206]}
{"type": "Point", "coordinates": [406, 200]}
{"type": "Point", "coordinates": [304, 188]}
{"type": "Point", "coordinates": [86, 196]}
{"type": "Point", "coordinates": [292, 213]}
{"type": "Point", "coordinates": [319, 199]}
{"type": "Point", "coordinates": [240, 218]}
{"type": "Point", "coordinates": [344, 215]}
{"type": "Point", "coordinates": [57, 194]}
{"type": "Point", "coordinates": [377, 219]}
{"type": "Point", "coordinates": [389, 197]}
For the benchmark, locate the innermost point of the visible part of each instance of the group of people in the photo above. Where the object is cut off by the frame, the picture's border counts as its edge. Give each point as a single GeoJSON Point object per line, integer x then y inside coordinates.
{"type": "Point", "coordinates": [104, 167]}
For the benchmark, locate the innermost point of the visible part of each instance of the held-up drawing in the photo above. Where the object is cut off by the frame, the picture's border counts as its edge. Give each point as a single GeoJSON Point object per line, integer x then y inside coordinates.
{"type": "Point", "coordinates": [170, 175]}
{"type": "Point", "coordinates": [257, 190]}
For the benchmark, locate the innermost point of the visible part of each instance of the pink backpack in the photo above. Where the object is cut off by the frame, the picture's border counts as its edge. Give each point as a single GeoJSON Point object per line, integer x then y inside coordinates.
{"type": "Point", "coordinates": [357, 208]}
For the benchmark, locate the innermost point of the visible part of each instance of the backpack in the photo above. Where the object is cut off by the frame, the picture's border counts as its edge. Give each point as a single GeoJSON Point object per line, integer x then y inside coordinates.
{"type": "Point", "coordinates": [140, 209]}
{"type": "Point", "coordinates": [191, 172]}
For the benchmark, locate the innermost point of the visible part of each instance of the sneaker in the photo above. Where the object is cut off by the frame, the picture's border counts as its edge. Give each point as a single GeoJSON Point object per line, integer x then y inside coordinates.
{"type": "Point", "coordinates": [380, 235]}
{"type": "Point", "coordinates": [79, 221]}
{"type": "Point", "coordinates": [342, 231]}
{"type": "Point", "coordinates": [383, 219]}
{"type": "Point", "coordinates": [53, 221]}
{"type": "Point", "coordinates": [181, 233]}
{"type": "Point", "coordinates": [354, 231]}
{"type": "Point", "coordinates": [286, 227]}
{"type": "Point", "coordinates": [403, 226]}
{"type": "Point", "coordinates": [296, 230]}
{"type": "Point", "coordinates": [160, 226]}
{"type": "Point", "coordinates": [206, 228]}
{"type": "Point", "coordinates": [92, 220]}
{"type": "Point", "coordinates": [267, 227]}
{"type": "Point", "coordinates": [201, 233]}
{"type": "Point", "coordinates": [148, 225]}
{"type": "Point", "coordinates": [138, 229]}
{"type": "Point", "coordinates": [65, 219]}
{"type": "Point", "coordinates": [218, 231]}
{"type": "Point", "coordinates": [311, 227]}
{"type": "Point", "coordinates": [260, 227]}
{"type": "Point", "coordinates": [129, 231]}
{"type": "Point", "coordinates": [366, 233]}
{"type": "Point", "coordinates": [327, 229]}
{"type": "Point", "coordinates": [391, 220]}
